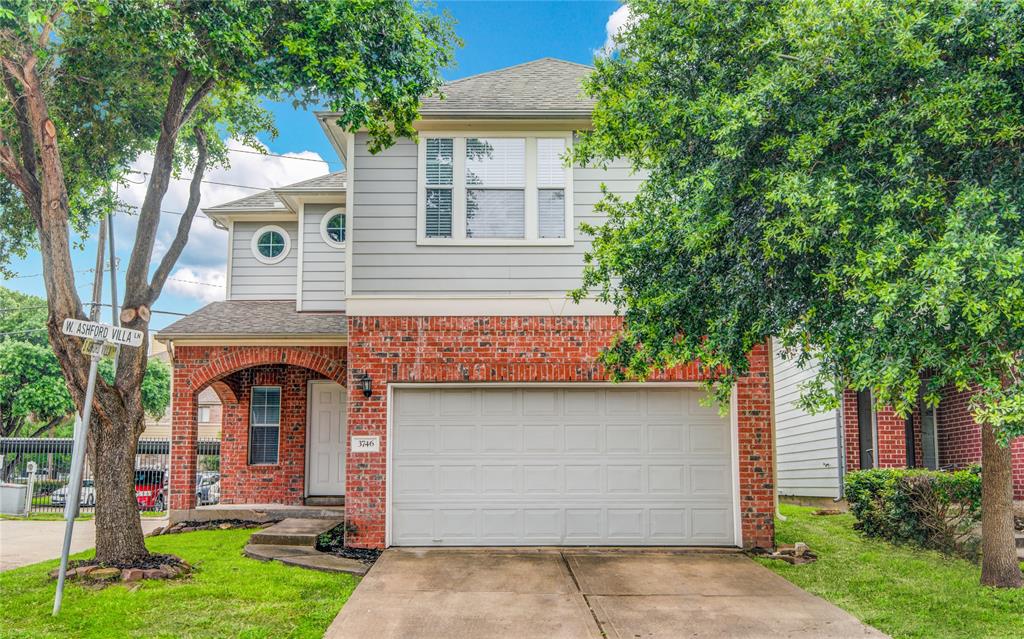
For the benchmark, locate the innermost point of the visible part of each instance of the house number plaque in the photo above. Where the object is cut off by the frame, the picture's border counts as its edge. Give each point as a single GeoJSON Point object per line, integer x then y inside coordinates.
{"type": "Point", "coordinates": [366, 444]}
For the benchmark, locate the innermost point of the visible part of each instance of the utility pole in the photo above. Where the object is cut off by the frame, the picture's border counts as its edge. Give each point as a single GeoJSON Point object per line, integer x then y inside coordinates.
{"type": "Point", "coordinates": [97, 279]}
{"type": "Point", "coordinates": [115, 318]}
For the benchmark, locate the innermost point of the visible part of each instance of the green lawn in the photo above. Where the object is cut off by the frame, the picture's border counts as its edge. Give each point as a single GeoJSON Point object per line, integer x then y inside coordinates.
{"type": "Point", "coordinates": [899, 590]}
{"type": "Point", "coordinates": [228, 596]}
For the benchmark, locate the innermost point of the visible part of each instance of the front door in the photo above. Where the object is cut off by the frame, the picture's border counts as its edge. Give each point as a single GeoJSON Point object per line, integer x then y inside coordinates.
{"type": "Point", "coordinates": [325, 440]}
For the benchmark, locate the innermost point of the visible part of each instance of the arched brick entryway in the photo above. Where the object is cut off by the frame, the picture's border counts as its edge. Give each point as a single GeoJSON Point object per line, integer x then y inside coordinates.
{"type": "Point", "coordinates": [232, 371]}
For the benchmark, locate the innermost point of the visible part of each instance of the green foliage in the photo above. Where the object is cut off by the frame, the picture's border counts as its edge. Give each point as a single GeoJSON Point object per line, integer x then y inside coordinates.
{"type": "Point", "coordinates": [109, 66]}
{"type": "Point", "coordinates": [33, 392]}
{"type": "Point", "coordinates": [842, 174]}
{"type": "Point", "coordinates": [932, 509]}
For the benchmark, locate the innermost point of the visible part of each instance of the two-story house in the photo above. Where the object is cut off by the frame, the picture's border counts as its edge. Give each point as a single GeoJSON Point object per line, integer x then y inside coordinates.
{"type": "Point", "coordinates": [398, 338]}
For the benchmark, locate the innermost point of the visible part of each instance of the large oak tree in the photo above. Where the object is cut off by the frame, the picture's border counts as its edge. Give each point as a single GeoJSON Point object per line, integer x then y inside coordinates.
{"type": "Point", "coordinates": [89, 85]}
{"type": "Point", "coordinates": [843, 174]}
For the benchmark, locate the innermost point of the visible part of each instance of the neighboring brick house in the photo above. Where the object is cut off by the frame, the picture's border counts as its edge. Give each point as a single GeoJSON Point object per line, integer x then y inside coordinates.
{"type": "Point", "coordinates": [810, 447]}
{"type": "Point", "coordinates": [398, 338]}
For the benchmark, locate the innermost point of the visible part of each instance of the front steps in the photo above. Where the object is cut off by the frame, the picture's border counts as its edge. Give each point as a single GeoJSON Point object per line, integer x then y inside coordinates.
{"type": "Point", "coordinates": [293, 542]}
{"type": "Point", "coordinates": [325, 501]}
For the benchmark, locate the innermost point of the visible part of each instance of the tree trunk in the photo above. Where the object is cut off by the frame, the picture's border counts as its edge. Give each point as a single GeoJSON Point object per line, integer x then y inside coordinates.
{"type": "Point", "coordinates": [999, 567]}
{"type": "Point", "coordinates": [112, 447]}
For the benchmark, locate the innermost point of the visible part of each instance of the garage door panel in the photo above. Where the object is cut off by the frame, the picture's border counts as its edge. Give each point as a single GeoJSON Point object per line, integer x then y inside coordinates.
{"type": "Point", "coordinates": [512, 466]}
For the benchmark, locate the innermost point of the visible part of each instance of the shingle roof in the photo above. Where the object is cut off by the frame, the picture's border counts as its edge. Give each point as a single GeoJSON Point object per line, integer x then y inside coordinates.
{"type": "Point", "coordinates": [543, 88]}
{"type": "Point", "coordinates": [268, 200]}
{"type": "Point", "coordinates": [262, 318]}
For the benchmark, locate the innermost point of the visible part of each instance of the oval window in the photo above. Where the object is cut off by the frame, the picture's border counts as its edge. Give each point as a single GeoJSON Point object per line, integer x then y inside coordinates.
{"type": "Point", "coordinates": [332, 228]}
{"type": "Point", "coordinates": [270, 244]}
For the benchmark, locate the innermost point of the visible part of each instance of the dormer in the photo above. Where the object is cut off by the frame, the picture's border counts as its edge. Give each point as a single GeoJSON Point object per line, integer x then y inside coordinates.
{"type": "Point", "coordinates": [288, 243]}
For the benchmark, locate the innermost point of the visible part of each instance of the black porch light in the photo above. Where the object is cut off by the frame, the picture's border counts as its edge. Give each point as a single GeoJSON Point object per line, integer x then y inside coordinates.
{"type": "Point", "coordinates": [366, 384]}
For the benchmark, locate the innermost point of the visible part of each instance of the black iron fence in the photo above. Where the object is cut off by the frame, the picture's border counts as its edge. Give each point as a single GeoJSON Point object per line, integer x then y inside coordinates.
{"type": "Point", "coordinates": [51, 461]}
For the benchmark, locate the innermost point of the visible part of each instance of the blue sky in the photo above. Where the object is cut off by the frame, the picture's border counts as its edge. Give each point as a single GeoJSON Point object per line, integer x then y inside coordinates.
{"type": "Point", "coordinates": [494, 34]}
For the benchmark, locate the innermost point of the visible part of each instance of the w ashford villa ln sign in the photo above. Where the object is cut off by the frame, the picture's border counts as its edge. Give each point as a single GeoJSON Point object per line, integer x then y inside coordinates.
{"type": "Point", "coordinates": [102, 332]}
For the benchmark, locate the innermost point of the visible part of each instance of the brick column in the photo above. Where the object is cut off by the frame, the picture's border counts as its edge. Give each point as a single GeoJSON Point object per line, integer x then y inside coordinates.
{"type": "Point", "coordinates": [184, 436]}
{"type": "Point", "coordinates": [757, 489]}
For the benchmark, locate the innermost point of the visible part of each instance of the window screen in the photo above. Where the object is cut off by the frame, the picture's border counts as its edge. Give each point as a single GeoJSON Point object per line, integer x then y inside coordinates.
{"type": "Point", "coordinates": [440, 152]}
{"type": "Point", "coordinates": [264, 424]}
{"type": "Point", "coordinates": [495, 193]}
{"type": "Point", "coordinates": [551, 213]}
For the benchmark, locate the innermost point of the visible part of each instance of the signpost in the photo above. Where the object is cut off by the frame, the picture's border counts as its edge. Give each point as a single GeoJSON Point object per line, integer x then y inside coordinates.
{"type": "Point", "coordinates": [104, 336]}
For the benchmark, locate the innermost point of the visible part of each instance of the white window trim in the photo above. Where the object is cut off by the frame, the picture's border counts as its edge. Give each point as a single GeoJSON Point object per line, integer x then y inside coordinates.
{"type": "Point", "coordinates": [459, 191]}
{"type": "Point", "coordinates": [323, 227]}
{"type": "Point", "coordinates": [263, 258]}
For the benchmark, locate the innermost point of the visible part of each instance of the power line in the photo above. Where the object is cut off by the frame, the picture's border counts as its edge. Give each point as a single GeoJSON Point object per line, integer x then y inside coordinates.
{"type": "Point", "coordinates": [15, 309]}
{"type": "Point", "coordinates": [90, 270]}
{"type": "Point", "coordinates": [240, 186]}
{"type": "Point", "coordinates": [286, 157]}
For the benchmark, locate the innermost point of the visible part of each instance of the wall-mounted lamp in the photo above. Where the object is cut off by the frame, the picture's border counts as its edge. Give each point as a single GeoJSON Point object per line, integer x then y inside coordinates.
{"type": "Point", "coordinates": [366, 384]}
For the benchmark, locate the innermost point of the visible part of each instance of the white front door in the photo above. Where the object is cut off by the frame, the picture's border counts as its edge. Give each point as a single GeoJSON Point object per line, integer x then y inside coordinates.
{"type": "Point", "coordinates": [325, 439]}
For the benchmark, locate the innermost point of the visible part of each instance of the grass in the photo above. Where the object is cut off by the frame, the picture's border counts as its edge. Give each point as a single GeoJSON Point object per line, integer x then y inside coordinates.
{"type": "Point", "coordinates": [902, 591]}
{"type": "Point", "coordinates": [46, 516]}
{"type": "Point", "coordinates": [228, 596]}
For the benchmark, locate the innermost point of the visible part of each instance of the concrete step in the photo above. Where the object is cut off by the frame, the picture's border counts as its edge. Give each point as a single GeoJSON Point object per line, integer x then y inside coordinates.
{"type": "Point", "coordinates": [306, 558]}
{"type": "Point", "coordinates": [325, 501]}
{"type": "Point", "coordinates": [294, 532]}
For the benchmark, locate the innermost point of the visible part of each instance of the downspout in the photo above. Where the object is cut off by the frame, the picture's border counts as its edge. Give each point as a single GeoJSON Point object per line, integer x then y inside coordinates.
{"type": "Point", "coordinates": [775, 452]}
{"type": "Point", "coordinates": [841, 446]}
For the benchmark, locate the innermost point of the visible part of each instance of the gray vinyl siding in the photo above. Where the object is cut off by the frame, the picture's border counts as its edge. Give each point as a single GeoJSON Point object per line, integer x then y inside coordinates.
{"type": "Point", "coordinates": [387, 261]}
{"type": "Point", "coordinates": [808, 452]}
{"type": "Point", "coordinates": [254, 280]}
{"type": "Point", "coordinates": [323, 266]}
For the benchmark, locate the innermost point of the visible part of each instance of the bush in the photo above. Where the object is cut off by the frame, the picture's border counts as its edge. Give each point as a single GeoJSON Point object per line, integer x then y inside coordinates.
{"type": "Point", "coordinates": [932, 509]}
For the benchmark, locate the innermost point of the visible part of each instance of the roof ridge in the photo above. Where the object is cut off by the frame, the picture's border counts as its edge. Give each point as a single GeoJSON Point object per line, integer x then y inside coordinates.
{"type": "Point", "coordinates": [515, 66]}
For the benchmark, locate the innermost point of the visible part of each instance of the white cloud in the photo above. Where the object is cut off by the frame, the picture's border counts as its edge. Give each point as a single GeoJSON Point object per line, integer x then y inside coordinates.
{"type": "Point", "coordinates": [203, 284]}
{"type": "Point", "coordinates": [206, 250]}
{"type": "Point", "coordinates": [617, 21]}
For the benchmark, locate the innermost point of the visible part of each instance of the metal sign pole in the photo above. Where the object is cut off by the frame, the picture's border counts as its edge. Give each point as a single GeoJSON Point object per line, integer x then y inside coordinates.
{"type": "Point", "coordinates": [77, 466]}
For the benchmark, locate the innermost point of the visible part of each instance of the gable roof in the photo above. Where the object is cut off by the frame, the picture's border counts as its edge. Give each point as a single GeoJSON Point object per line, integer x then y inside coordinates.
{"type": "Point", "coordinates": [269, 201]}
{"type": "Point", "coordinates": [539, 89]}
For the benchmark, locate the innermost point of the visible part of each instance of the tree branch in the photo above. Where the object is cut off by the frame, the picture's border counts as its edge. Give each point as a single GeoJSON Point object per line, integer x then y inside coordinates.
{"type": "Point", "coordinates": [136, 276]}
{"type": "Point", "coordinates": [185, 224]}
{"type": "Point", "coordinates": [50, 425]}
{"type": "Point", "coordinates": [196, 99]}
{"type": "Point", "coordinates": [28, 151]}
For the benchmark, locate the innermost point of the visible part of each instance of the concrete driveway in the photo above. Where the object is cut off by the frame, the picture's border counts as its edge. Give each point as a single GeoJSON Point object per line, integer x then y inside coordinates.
{"type": "Point", "coordinates": [28, 542]}
{"type": "Point", "coordinates": [569, 593]}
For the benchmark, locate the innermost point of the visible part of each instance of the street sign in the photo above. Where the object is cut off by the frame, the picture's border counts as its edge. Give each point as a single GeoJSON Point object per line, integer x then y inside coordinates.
{"type": "Point", "coordinates": [89, 346]}
{"type": "Point", "coordinates": [102, 332]}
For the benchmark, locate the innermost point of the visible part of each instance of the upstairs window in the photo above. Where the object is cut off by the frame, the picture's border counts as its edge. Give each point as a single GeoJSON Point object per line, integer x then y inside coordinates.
{"type": "Point", "coordinates": [270, 244]}
{"type": "Point", "coordinates": [332, 228]}
{"type": "Point", "coordinates": [494, 189]}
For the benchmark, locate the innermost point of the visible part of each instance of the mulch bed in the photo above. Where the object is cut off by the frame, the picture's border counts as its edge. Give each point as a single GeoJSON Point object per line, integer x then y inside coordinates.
{"type": "Point", "coordinates": [366, 555]}
{"type": "Point", "coordinates": [155, 566]}
{"type": "Point", "coordinates": [213, 524]}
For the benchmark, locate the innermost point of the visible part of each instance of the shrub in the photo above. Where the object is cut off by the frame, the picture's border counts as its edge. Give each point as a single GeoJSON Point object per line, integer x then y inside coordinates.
{"type": "Point", "coordinates": [932, 509]}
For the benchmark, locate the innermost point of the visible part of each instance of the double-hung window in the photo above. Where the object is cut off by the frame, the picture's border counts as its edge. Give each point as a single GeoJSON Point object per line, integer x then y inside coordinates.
{"type": "Point", "coordinates": [502, 189]}
{"type": "Point", "coordinates": [264, 424]}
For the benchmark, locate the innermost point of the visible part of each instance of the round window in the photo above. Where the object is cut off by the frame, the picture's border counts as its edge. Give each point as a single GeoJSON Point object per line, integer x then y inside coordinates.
{"type": "Point", "coordinates": [270, 244]}
{"type": "Point", "coordinates": [332, 228]}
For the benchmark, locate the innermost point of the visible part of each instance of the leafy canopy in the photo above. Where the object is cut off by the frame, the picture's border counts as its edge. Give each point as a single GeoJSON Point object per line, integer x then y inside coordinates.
{"type": "Point", "coordinates": [843, 174]}
{"type": "Point", "coordinates": [34, 397]}
{"type": "Point", "coordinates": [110, 65]}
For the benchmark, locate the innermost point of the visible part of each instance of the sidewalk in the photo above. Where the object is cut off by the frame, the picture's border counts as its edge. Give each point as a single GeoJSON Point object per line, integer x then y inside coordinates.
{"type": "Point", "coordinates": [29, 542]}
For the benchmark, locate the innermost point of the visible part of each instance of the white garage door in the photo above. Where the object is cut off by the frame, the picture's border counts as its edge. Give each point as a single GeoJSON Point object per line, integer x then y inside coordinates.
{"type": "Point", "coordinates": [560, 466]}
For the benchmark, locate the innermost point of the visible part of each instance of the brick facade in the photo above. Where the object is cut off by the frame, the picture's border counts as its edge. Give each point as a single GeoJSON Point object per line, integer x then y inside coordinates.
{"type": "Point", "coordinates": [958, 435]}
{"type": "Point", "coordinates": [232, 371]}
{"type": "Point", "coordinates": [518, 349]}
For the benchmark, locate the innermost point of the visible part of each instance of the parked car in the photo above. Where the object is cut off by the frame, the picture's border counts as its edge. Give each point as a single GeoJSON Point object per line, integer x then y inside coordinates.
{"type": "Point", "coordinates": [87, 496]}
{"type": "Point", "coordinates": [151, 489]}
{"type": "Point", "coordinates": [208, 489]}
